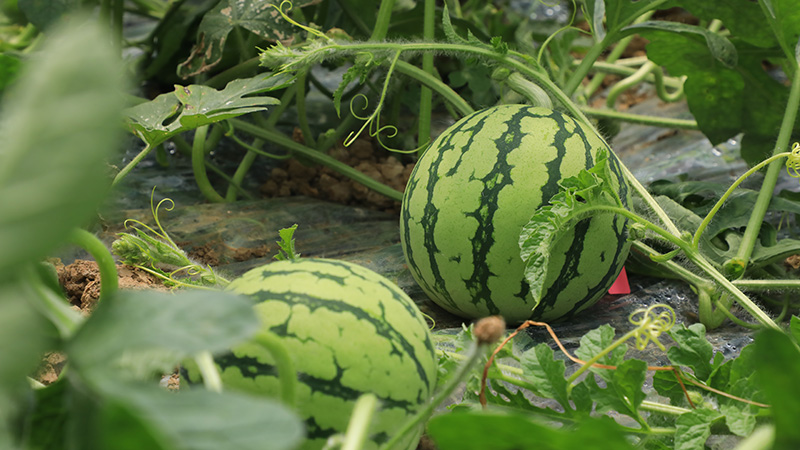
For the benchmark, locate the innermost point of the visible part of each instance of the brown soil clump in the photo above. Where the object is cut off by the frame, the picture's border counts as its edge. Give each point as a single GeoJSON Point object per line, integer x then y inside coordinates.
{"type": "Point", "coordinates": [296, 178]}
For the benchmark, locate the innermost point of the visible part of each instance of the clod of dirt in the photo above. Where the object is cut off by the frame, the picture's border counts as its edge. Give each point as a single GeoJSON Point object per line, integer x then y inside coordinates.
{"type": "Point", "coordinates": [50, 368]}
{"type": "Point", "coordinates": [81, 282]}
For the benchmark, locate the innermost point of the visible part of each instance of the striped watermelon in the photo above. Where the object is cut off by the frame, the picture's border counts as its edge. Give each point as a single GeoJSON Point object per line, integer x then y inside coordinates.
{"type": "Point", "coordinates": [470, 195]}
{"type": "Point", "coordinates": [349, 331]}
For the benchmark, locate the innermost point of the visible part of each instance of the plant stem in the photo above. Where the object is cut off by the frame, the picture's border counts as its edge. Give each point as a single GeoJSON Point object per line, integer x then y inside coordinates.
{"type": "Point", "coordinates": [425, 94]}
{"type": "Point", "coordinates": [615, 53]}
{"type": "Point", "coordinates": [317, 157]}
{"type": "Point", "coordinates": [134, 162]}
{"type": "Point", "coordinates": [661, 408]}
{"type": "Point", "coordinates": [358, 428]}
{"type": "Point", "coordinates": [624, 70]}
{"type": "Point", "coordinates": [586, 64]}
{"type": "Point", "coordinates": [109, 278]}
{"type": "Point", "coordinates": [473, 357]}
{"type": "Point", "coordinates": [665, 122]}
{"type": "Point", "coordinates": [382, 21]}
{"type": "Point", "coordinates": [770, 180]}
{"type": "Point", "coordinates": [694, 256]}
{"type": "Point", "coordinates": [287, 375]}
{"type": "Point", "coordinates": [199, 168]}
{"type": "Point", "coordinates": [766, 285]}
{"type": "Point", "coordinates": [209, 371]}
{"type": "Point", "coordinates": [632, 80]}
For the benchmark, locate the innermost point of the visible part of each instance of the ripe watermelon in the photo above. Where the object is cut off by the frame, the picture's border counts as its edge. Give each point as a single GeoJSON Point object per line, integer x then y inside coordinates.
{"type": "Point", "coordinates": [474, 189]}
{"type": "Point", "coordinates": [349, 331]}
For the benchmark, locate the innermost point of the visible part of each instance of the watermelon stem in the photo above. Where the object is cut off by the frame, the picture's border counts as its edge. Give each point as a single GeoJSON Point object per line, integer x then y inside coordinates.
{"type": "Point", "coordinates": [358, 428]}
{"type": "Point", "coordinates": [287, 375]}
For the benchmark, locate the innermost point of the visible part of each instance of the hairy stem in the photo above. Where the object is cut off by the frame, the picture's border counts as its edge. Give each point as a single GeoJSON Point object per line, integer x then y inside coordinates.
{"type": "Point", "coordinates": [425, 94]}
{"type": "Point", "coordinates": [770, 180]}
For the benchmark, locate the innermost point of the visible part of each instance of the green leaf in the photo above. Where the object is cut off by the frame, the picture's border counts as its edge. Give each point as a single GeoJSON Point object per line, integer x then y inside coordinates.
{"type": "Point", "coordinates": [730, 220]}
{"type": "Point", "coordinates": [784, 18]}
{"type": "Point", "coordinates": [286, 244]}
{"type": "Point", "coordinates": [665, 383]}
{"type": "Point", "coordinates": [189, 107]}
{"type": "Point", "coordinates": [203, 420]}
{"type": "Point", "coordinates": [618, 14]}
{"type": "Point", "coordinates": [624, 391]}
{"type": "Point", "coordinates": [259, 17]}
{"type": "Point", "coordinates": [172, 32]}
{"type": "Point", "coordinates": [693, 429]}
{"type": "Point", "coordinates": [743, 18]}
{"type": "Point", "coordinates": [547, 374]}
{"type": "Point", "coordinates": [9, 68]}
{"type": "Point", "coordinates": [19, 318]}
{"type": "Point", "coordinates": [693, 350]}
{"type": "Point", "coordinates": [58, 126]}
{"type": "Point", "coordinates": [596, 341]}
{"type": "Point", "coordinates": [142, 332]}
{"type": "Point", "coordinates": [578, 199]}
{"type": "Point", "coordinates": [126, 416]}
{"type": "Point", "coordinates": [725, 96]}
{"type": "Point", "coordinates": [719, 48]}
{"type": "Point", "coordinates": [794, 328]}
{"type": "Point", "coordinates": [476, 430]}
{"type": "Point", "coordinates": [740, 417]}
{"type": "Point", "coordinates": [777, 361]}
{"type": "Point", "coordinates": [46, 13]}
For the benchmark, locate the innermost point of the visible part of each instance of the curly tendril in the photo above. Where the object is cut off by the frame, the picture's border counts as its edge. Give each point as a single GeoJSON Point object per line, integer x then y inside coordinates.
{"type": "Point", "coordinates": [793, 161]}
{"type": "Point", "coordinates": [651, 324]}
{"type": "Point", "coordinates": [286, 17]}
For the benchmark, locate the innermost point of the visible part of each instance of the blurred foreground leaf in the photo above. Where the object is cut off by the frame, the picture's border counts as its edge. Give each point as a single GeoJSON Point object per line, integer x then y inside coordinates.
{"type": "Point", "coordinates": [146, 331]}
{"type": "Point", "coordinates": [58, 125]}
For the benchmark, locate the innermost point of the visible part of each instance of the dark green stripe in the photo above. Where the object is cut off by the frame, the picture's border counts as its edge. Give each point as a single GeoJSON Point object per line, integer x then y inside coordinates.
{"type": "Point", "coordinates": [400, 344]}
{"type": "Point", "coordinates": [252, 368]}
{"type": "Point", "coordinates": [497, 179]}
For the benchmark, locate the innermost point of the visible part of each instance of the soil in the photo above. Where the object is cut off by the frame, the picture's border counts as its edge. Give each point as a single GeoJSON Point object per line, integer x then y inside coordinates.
{"type": "Point", "coordinates": [296, 178]}
{"type": "Point", "coordinates": [81, 282]}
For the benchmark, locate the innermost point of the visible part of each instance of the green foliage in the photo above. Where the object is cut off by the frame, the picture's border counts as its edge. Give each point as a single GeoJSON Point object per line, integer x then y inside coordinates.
{"type": "Point", "coordinates": [777, 361]}
{"type": "Point", "coordinates": [127, 340]}
{"type": "Point", "coordinates": [580, 196]}
{"type": "Point", "coordinates": [477, 430]}
{"type": "Point", "coordinates": [62, 126]}
{"type": "Point", "coordinates": [286, 244]}
{"type": "Point", "coordinates": [189, 107]}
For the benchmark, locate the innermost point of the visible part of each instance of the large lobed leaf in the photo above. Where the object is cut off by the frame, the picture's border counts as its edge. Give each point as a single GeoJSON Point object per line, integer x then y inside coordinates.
{"type": "Point", "coordinates": [189, 107]}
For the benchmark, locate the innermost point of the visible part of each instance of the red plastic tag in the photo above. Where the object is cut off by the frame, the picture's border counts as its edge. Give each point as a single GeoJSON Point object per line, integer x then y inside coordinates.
{"type": "Point", "coordinates": [620, 286]}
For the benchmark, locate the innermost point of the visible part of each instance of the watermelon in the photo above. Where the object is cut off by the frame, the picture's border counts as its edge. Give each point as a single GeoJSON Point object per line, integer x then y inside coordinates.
{"type": "Point", "coordinates": [349, 331]}
{"type": "Point", "coordinates": [474, 189]}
